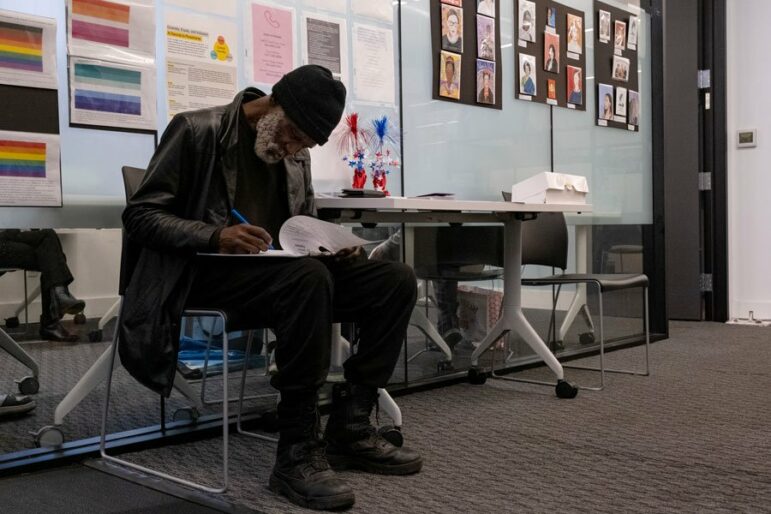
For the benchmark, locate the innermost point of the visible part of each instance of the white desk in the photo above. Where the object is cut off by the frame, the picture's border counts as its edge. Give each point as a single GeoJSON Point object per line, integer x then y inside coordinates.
{"type": "Point", "coordinates": [401, 210]}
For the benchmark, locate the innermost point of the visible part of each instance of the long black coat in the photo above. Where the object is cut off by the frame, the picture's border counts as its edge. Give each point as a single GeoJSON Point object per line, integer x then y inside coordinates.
{"type": "Point", "coordinates": [184, 198]}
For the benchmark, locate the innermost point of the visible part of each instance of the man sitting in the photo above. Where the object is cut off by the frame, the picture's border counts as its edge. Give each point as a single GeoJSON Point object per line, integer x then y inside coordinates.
{"type": "Point", "coordinates": [252, 155]}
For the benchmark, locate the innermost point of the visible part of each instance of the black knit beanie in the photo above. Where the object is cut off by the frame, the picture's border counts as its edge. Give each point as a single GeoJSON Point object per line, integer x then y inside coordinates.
{"type": "Point", "coordinates": [312, 99]}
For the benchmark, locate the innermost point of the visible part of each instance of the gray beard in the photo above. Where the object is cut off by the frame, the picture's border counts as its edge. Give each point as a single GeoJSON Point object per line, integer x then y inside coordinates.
{"type": "Point", "coordinates": [265, 147]}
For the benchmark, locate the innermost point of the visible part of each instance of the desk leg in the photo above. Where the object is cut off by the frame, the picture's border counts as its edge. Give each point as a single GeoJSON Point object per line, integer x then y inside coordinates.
{"type": "Point", "coordinates": [512, 318]}
{"type": "Point", "coordinates": [578, 303]}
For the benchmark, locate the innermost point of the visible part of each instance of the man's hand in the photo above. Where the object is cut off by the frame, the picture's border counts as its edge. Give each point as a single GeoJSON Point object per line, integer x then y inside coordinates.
{"type": "Point", "coordinates": [244, 238]}
{"type": "Point", "coordinates": [350, 255]}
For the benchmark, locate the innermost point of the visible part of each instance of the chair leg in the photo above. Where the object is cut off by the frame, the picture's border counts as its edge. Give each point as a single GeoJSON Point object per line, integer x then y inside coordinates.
{"type": "Point", "coordinates": [602, 369]}
{"type": "Point", "coordinates": [241, 397]}
{"type": "Point", "coordinates": [225, 419]}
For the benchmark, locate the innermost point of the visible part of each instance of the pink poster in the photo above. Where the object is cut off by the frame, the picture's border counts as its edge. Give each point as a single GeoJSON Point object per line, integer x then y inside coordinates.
{"type": "Point", "coordinates": [272, 43]}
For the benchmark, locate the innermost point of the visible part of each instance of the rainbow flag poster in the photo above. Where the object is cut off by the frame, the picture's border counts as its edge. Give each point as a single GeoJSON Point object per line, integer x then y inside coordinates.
{"type": "Point", "coordinates": [26, 56]}
{"type": "Point", "coordinates": [101, 21]}
{"type": "Point", "coordinates": [21, 47]}
{"type": "Point", "coordinates": [110, 94]}
{"type": "Point", "coordinates": [25, 159]}
{"type": "Point", "coordinates": [29, 169]}
{"type": "Point", "coordinates": [97, 26]}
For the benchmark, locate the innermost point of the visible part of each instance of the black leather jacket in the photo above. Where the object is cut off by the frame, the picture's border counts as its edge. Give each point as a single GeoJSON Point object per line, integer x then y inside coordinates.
{"type": "Point", "coordinates": [184, 198]}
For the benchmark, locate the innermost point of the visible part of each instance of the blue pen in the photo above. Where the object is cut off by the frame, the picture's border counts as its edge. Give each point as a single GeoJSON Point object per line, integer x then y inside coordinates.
{"type": "Point", "coordinates": [237, 215]}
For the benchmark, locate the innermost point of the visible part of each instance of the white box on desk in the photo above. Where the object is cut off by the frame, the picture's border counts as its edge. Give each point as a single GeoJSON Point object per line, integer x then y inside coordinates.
{"type": "Point", "coordinates": [547, 187]}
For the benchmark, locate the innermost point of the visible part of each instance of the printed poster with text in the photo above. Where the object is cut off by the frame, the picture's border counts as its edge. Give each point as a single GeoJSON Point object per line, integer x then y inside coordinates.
{"type": "Point", "coordinates": [373, 64]}
{"type": "Point", "coordinates": [272, 43]}
{"type": "Point", "coordinates": [326, 44]}
{"type": "Point", "coordinates": [112, 30]}
{"type": "Point", "coordinates": [27, 50]}
{"type": "Point", "coordinates": [201, 55]}
{"type": "Point", "coordinates": [29, 170]}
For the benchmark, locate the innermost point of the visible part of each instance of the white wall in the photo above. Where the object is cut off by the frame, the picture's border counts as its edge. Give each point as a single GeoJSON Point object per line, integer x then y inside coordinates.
{"type": "Point", "coordinates": [749, 169]}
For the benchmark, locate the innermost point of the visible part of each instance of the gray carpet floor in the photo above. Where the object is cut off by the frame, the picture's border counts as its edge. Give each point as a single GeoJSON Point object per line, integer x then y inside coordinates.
{"type": "Point", "coordinates": [693, 437]}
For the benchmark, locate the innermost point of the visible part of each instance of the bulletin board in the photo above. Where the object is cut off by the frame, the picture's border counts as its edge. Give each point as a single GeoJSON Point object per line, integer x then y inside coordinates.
{"type": "Point", "coordinates": [607, 58]}
{"type": "Point", "coordinates": [538, 48]}
{"type": "Point", "coordinates": [469, 55]}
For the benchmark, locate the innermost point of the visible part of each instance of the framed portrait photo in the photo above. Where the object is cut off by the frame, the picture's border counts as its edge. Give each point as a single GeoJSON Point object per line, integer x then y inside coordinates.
{"type": "Point", "coordinates": [527, 75]}
{"type": "Point", "coordinates": [551, 52]}
{"type": "Point", "coordinates": [605, 102]}
{"type": "Point", "coordinates": [485, 82]}
{"type": "Point", "coordinates": [621, 102]}
{"type": "Point", "coordinates": [551, 17]}
{"type": "Point", "coordinates": [604, 32]}
{"type": "Point", "coordinates": [526, 21]}
{"type": "Point", "coordinates": [485, 37]}
{"type": "Point", "coordinates": [452, 28]}
{"type": "Point", "coordinates": [575, 34]}
{"type": "Point", "coordinates": [634, 108]}
{"type": "Point", "coordinates": [449, 75]}
{"type": "Point", "coordinates": [619, 39]}
{"type": "Point", "coordinates": [575, 93]}
{"type": "Point", "coordinates": [486, 7]}
{"type": "Point", "coordinates": [620, 68]}
{"type": "Point", "coordinates": [634, 27]}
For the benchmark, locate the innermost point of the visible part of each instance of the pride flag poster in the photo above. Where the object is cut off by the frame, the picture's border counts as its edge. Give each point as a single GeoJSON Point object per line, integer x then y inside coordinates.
{"type": "Point", "coordinates": [110, 94]}
{"type": "Point", "coordinates": [120, 31]}
{"type": "Point", "coordinates": [27, 50]}
{"type": "Point", "coordinates": [29, 169]}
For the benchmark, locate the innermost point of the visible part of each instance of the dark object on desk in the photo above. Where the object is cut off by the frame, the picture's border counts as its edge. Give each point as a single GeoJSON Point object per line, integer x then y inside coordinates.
{"type": "Point", "coordinates": [362, 193]}
{"type": "Point", "coordinates": [545, 243]}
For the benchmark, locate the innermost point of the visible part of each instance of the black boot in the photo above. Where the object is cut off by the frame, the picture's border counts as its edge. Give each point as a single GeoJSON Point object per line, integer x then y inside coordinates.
{"type": "Point", "coordinates": [302, 472]}
{"type": "Point", "coordinates": [354, 443]}
{"type": "Point", "coordinates": [64, 302]}
{"type": "Point", "coordinates": [53, 330]}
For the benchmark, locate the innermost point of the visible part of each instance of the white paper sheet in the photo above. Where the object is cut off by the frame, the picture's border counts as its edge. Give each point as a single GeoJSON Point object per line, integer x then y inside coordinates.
{"type": "Point", "coordinates": [329, 5]}
{"type": "Point", "coordinates": [29, 170]}
{"type": "Point", "coordinates": [194, 85]}
{"type": "Point", "coordinates": [373, 64]}
{"type": "Point", "coordinates": [112, 95]}
{"type": "Point", "coordinates": [378, 9]}
{"type": "Point", "coordinates": [325, 43]}
{"type": "Point", "coordinates": [203, 39]}
{"type": "Point", "coordinates": [225, 8]}
{"type": "Point", "coordinates": [303, 235]}
{"type": "Point", "coordinates": [29, 50]}
{"type": "Point", "coordinates": [271, 31]}
{"type": "Point", "coordinates": [116, 30]}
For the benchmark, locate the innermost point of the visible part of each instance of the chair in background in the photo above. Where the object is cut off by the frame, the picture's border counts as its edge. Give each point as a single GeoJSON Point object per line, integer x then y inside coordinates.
{"type": "Point", "coordinates": [28, 384]}
{"type": "Point", "coordinates": [453, 254]}
{"type": "Point", "coordinates": [545, 243]}
{"type": "Point", "coordinates": [13, 321]}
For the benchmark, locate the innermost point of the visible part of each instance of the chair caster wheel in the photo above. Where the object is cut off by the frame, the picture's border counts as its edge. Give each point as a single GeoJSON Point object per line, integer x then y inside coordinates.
{"type": "Point", "coordinates": [186, 414]}
{"type": "Point", "coordinates": [269, 421]}
{"type": "Point", "coordinates": [565, 389]}
{"type": "Point", "coordinates": [586, 338]}
{"type": "Point", "coordinates": [392, 434]}
{"type": "Point", "coordinates": [28, 385]}
{"type": "Point", "coordinates": [12, 322]}
{"type": "Point", "coordinates": [48, 437]}
{"type": "Point", "coordinates": [444, 366]}
{"type": "Point", "coordinates": [476, 376]}
{"type": "Point", "coordinates": [95, 336]}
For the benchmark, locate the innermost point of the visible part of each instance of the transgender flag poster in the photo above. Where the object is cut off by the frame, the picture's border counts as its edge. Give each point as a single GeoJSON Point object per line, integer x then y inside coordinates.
{"type": "Point", "coordinates": [27, 50]}
{"type": "Point", "coordinates": [29, 170]}
{"type": "Point", "coordinates": [112, 95]}
{"type": "Point", "coordinates": [113, 30]}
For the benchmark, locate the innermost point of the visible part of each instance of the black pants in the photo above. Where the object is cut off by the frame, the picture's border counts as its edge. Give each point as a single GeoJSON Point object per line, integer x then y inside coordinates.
{"type": "Point", "coordinates": [36, 250]}
{"type": "Point", "coordinates": [300, 299]}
